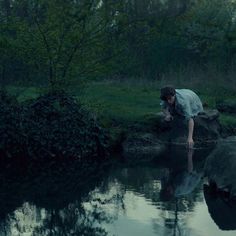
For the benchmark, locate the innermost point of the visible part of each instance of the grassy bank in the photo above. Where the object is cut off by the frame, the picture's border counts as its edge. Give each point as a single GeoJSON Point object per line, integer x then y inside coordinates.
{"type": "Point", "coordinates": [122, 103]}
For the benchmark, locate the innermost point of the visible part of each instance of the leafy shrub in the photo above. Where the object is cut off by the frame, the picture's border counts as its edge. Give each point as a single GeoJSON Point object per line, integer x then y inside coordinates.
{"type": "Point", "coordinates": [11, 139]}
{"type": "Point", "coordinates": [55, 124]}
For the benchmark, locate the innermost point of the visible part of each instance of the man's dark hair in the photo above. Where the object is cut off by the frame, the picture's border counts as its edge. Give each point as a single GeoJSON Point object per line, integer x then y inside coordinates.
{"type": "Point", "coordinates": [166, 92]}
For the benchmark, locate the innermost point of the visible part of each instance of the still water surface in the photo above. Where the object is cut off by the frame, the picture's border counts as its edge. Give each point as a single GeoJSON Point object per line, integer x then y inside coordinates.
{"type": "Point", "coordinates": [160, 198]}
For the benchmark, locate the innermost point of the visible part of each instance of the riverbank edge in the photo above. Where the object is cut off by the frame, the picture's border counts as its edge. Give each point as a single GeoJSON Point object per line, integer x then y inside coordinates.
{"type": "Point", "coordinates": [123, 109]}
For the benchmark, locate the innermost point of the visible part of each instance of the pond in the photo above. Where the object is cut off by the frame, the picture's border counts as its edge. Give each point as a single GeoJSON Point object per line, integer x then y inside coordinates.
{"type": "Point", "coordinates": [167, 196]}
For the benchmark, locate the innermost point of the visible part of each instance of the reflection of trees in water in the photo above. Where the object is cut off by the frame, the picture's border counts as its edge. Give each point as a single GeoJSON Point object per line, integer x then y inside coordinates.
{"type": "Point", "coordinates": [56, 201]}
{"type": "Point", "coordinates": [174, 220]}
{"type": "Point", "coordinates": [147, 182]}
{"type": "Point", "coordinates": [84, 217]}
{"type": "Point", "coordinates": [72, 220]}
{"type": "Point", "coordinates": [177, 209]}
{"type": "Point", "coordinates": [144, 180]}
{"type": "Point", "coordinates": [75, 200]}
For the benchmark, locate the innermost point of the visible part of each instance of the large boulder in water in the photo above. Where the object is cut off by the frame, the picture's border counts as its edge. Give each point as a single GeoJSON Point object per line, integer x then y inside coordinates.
{"type": "Point", "coordinates": [220, 166]}
{"type": "Point", "coordinates": [55, 124]}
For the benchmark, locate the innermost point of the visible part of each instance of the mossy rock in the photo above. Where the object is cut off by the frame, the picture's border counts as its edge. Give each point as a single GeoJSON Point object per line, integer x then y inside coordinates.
{"type": "Point", "coordinates": [227, 107]}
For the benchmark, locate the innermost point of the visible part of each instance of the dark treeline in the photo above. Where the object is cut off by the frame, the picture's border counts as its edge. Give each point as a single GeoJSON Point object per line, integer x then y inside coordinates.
{"type": "Point", "coordinates": [58, 41]}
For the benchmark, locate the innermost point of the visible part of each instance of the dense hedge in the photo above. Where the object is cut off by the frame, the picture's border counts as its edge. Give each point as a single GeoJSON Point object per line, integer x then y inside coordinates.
{"type": "Point", "coordinates": [11, 139]}
{"type": "Point", "coordinates": [53, 125]}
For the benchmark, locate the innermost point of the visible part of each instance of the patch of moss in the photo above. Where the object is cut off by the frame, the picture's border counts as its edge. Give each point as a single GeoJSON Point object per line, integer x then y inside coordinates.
{"type": "Point", "coordinates": [25, 93]}
{"type": "Point", "coordinates": [228, 120]}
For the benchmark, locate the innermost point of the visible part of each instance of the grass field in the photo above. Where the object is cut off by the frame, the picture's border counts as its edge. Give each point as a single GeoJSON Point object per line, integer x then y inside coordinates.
{"type": "Point", "coordinates": [126, 102]}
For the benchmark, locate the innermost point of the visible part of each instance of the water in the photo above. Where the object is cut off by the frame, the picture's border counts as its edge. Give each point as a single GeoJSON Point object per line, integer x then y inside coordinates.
{"type": "Point", "coordinates": [160, 198]}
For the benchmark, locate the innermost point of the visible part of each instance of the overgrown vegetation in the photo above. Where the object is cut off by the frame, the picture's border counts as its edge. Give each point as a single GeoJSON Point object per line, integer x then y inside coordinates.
{"type": "Point", "coordinates": [10, 126]}
{"type": "Point", "coordinates": [52, 126]}
{"type": "Point", "coordinates": [57, 125]}
{"type": "Point", "coordinates": [59, 43]}
{"type": "Point", "coordinates": [119, 104]}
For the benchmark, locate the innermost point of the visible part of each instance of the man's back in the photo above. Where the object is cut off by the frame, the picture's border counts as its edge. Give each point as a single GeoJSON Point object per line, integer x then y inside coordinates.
{"type": "Point", "coordinates": [188, 103]}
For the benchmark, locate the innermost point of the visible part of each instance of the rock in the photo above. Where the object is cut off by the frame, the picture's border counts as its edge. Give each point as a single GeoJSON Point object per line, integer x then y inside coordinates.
{"type": "Point", "coordinates": [206, 127]}
{"type": "Point", "coordinates": [228, 107]}
{"type": "Point", "coordinates": [141, 147]}
{"type": "Point", "coordinates": [223, 213]}
{"type": "Point", "coordinates": [220, 166]}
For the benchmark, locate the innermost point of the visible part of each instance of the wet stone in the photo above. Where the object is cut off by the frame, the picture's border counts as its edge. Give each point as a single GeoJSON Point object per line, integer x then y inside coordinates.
{"type": "Point", "coordinates": [220, 166]}
{"type": "Point", "coordinates": [206, 127]}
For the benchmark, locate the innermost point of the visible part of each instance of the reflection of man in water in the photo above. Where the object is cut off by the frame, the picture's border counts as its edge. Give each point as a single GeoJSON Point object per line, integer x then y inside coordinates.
{"type": "Point", "coordinates": [180, 183]}
{"type": "Point", "coordinates": [184, 103]}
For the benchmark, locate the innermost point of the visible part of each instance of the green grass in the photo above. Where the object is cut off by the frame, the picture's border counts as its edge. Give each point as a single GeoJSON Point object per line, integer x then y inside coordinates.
{"type": "Point", "coordinates": [228, 120]}
{"type": "Point", "coordinates": [131, 101]}
{"type": "Point", "coordinates": [25, 93]}
{"type": "Point", "coordinates": [121, 102]}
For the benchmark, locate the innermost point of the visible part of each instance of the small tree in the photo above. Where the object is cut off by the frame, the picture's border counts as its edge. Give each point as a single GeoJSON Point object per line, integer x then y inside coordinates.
{"type": "Point", "coordinates": [57, 37]}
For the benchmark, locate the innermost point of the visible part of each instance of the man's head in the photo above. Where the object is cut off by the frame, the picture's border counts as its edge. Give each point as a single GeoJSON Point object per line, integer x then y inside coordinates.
{"type": "Point", "coordinates": [168, 95]}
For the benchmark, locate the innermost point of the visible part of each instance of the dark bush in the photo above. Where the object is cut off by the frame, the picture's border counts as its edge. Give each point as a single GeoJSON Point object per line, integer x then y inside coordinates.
{"type": "Point", "coordinates": [56, 125]}
{"type": "Point", "coordinates": [11, 139]}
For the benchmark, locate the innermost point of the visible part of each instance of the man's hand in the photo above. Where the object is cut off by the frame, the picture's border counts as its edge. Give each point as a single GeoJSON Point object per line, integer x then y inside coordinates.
{"type": "Point", "coordinates": [190, 143]}
{"type": "Point", "coordinates": [168, 117]}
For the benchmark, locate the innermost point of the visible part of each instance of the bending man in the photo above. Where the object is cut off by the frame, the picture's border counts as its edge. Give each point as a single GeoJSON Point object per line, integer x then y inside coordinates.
{"type": "Point", "coordinates": [183, 102]}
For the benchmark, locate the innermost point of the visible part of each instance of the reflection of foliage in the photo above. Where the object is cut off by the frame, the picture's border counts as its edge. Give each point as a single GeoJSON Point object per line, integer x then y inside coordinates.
{"type": "Point", "coordinates": [51, 185]}
{"type": "Point", "coordinates": [64, 201]}
{"type": "Point", "coordinates": [147, 182]}
{"type": "Point", "coordinates": [60, 192]}
{"type": "Point", "coordinates": [144, 180]}
{"type": "Point", "coordinates": [83, 217]}
{"type": "Point", "coordinates": [72, 220]}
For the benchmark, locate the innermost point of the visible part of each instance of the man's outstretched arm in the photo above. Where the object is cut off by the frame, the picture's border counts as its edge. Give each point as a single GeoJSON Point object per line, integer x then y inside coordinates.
{"type": "Point", "coordinates": [190, 142]}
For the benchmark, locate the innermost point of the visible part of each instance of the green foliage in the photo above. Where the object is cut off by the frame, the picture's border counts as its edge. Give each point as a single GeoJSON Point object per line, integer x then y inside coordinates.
{"type": "Point", "coordinates": [59, 42]}
{"type": "Point", "coordinates": [10, 126]}
{"type": "Point", "coordinates": [118, 103]}
{"type": "Point", "coordinates": [208, 29]}
{"type": "Point", "coordinates": [132, 101]}
{"type": "Point", "coordinates": [51, 126]}
{"type": "Point", "coordinates": [228, 122]}
{"type": "Point", "coordinates": [55, 38]}
{"type": "Point", "coordinates": [56, 125]}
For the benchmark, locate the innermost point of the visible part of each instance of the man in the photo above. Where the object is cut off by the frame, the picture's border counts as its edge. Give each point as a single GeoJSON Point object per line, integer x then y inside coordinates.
{"type": "Point", "coordinates": [183, 102]}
